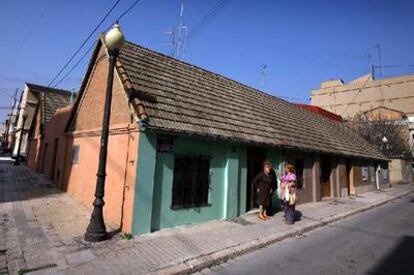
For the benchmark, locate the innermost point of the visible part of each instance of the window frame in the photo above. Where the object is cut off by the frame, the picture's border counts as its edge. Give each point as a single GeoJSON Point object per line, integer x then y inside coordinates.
{"type": "Point", "coordinates": [365, 173]}
{"type": "Point", "coordinates": [300, 176]}
{"type": "Point", "coordinates": [192, 205]}
{"type": "Point", "coordinates": [75, 154]}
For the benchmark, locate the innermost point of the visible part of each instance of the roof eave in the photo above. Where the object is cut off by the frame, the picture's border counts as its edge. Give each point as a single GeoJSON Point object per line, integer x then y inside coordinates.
{"type": "Point", "coordinates": [251, 142]}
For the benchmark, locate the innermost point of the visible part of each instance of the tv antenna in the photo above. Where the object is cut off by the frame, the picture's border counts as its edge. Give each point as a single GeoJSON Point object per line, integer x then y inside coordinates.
{"type": "Point", "coordinates": [178, 35]}
{"type": "Point", "coordinates": [263, 74]}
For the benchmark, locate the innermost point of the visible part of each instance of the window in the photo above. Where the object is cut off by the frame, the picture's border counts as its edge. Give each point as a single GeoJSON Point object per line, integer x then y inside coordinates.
{"type": "Point", "coordinates": [191, 182]}
{"type": "Point", "coordinates": [385, 174]}
{"type": "Point", "coordinates": [75, 154]}
{"type": "Point", "coordinates": [364, 173]}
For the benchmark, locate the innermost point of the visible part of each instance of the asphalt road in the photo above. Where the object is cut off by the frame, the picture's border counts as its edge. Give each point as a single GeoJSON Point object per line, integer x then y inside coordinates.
{"type": "Point", "coordinates": [380, 241]}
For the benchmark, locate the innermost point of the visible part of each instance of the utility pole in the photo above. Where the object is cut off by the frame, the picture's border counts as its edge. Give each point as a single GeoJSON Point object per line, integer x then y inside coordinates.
{"type": "Point", "coordinates": [9, 121]}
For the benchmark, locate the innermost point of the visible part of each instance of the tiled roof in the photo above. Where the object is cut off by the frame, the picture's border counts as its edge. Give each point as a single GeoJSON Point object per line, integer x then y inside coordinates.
{"type": "Point", "coordinates": [50, 100]}
{"type": "Point", "coordinates": [182, 98]}
{"type": "Point", "coordinates": [321, 111]}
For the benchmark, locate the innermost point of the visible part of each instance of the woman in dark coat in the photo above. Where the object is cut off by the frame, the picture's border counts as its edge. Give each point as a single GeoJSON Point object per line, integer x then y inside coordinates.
{"type": "Point", "coordinates": [263, 183]}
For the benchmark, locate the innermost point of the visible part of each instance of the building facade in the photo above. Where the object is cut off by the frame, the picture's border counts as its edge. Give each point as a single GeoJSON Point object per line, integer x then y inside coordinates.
{"type": "Point", "coordinates": [47, 145]}
{"type": "Point", "coordinates": [389, 99]}
{"type": "Point", "coordinates": [37, 102]}
{"type": "Point", "coordinates": [364, 94]}
{"type": "Point", "coordinates": [185, 143]}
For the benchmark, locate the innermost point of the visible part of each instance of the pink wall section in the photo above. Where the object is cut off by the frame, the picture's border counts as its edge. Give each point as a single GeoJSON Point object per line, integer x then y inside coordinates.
{"type": "Point", "coordinates": [120, 180]}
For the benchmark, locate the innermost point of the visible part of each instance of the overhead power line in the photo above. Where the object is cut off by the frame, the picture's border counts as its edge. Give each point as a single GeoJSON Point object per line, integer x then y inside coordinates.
{"type": "Point", "coordinates": [355, 96]}
{"type": "Point", "coordinates": [6, 93]}
{"type": "Point", "coordinates": [85, 41]}
{"type": "Point", "coordinates": [75, 65]}
{"type": "Point", "coordinates": [128, 10]}
{"type": "Point", "coordinates": [93, 45]}
{"type": "Point", "coordinates": [26, 38]}
{"type": "Point", "coordinates": [207, 18]}
{"type": "Point", "coordinates": [394, 66]}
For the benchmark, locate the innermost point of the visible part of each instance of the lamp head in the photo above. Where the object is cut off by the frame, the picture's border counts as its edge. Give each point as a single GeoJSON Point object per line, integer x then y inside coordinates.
{"type": "Point", "coordinates": [384, 140]}
{"type": "Point", "coordinates": [114, 38]}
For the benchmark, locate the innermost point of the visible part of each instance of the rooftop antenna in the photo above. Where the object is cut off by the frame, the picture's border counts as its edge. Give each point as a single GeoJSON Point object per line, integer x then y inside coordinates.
{"type": "Point", "coordinates": [72, 95]}
{"type": "Point", "coordinates": [382, 75]}
{"type": "Point", "coordinates": [371, 66]}
{"type": "Point", "coordinates": [172, 44]}
{"type": "Point", "coordinates": [379, 60]}
{"type": "Point", "coordinates": [182, 32]}
{"type": "Point", "coordinates": [263, 76]}
{"type": "Point", "coordinates": [178, 35]}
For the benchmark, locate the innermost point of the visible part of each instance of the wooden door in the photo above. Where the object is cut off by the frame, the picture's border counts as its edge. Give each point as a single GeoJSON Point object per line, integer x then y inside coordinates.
{"type": "Point", "coordinates": [53, 168]}
{"type": "Point", "coordinates": [255, 158]}
{"type": "Point", "coordinates": [44, 154]}
{"type": "Point", "coordinates": [326, 170]}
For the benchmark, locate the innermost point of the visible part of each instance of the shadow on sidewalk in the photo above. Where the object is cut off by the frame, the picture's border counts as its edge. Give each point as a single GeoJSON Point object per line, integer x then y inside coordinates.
{"type": "Point", "coordinates": [399, 260]}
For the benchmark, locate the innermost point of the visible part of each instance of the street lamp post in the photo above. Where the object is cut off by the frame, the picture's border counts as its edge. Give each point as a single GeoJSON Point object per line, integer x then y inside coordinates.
{"type": "Point", "coordinates": [385, 142]}
{"type": "Point", "coordinates": [96, 230]}
{"type": "Point", "coordinates": [17, 161]}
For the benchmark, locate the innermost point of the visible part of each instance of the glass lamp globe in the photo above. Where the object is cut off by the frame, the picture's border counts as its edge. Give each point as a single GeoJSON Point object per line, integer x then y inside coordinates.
{"type": "Point", "coordinates": [114, 38]}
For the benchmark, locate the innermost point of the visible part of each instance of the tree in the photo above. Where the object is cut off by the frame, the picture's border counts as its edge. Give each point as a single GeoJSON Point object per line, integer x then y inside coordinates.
{"type": "Point", "coordinates": [396, 133]}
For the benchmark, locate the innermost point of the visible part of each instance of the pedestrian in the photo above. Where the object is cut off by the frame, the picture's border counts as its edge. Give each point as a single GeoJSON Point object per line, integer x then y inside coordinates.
{"type": "Point", "coordinates": [288, 193]}
{"type": "Point", "coordinates": [263, 184]}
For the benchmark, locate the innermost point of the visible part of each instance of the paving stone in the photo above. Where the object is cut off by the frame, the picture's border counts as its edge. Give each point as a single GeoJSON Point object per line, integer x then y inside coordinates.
{"type": "Point", "coordinates": [80, 257]}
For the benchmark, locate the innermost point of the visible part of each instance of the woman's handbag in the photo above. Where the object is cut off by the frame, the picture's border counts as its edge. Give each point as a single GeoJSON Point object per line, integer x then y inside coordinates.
{"type": "Point", "coordinates": [292, 198]}
{"type": "Point", "coordinates": [287, 195]}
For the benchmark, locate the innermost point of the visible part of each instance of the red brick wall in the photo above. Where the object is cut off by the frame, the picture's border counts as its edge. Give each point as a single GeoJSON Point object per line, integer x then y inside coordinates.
{"type": "Point", "coordinates": [90, 111]}
{"type": "Point", "coordinates": [80, 178]}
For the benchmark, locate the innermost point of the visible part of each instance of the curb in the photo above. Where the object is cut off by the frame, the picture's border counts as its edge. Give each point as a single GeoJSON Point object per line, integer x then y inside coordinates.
{"type": "Point", "coordinates": [221, 256]}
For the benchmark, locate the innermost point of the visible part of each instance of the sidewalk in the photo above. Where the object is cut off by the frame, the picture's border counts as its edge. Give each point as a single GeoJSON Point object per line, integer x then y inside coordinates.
{"type": "Point", "coordinates": [41, 232]}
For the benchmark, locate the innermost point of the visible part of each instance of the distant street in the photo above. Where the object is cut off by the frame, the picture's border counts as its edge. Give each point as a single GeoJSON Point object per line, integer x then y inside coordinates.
{"type": "Point", "coordinates": [380, 241]}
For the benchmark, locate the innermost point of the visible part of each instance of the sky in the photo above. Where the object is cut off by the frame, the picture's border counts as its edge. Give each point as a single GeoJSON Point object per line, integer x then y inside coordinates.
{"type": "Point", "coordinates": [302, 43]}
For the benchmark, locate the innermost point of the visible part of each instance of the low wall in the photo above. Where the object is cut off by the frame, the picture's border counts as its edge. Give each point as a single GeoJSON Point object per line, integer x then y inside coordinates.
{"type": "Point", "coordinates": [400, 171]}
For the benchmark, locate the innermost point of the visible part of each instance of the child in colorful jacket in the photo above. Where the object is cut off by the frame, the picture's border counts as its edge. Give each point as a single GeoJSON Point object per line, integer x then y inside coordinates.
{"type": "Point", "coordinates": [288, 193]}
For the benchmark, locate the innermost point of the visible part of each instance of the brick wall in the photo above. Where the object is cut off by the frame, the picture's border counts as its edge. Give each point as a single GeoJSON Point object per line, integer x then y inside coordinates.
{"type": "Point", "coordinates": [90, 111]}
{"type": "Point", "coordinates": [85, 130]}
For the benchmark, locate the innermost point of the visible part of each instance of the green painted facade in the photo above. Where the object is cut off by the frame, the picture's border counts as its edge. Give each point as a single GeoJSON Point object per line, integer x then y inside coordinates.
{"type": "Point", "coordinates": [153, 196]}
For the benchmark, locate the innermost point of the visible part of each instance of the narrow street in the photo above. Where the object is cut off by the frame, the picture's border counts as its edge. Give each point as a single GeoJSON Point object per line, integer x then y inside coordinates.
{"type": "Point", "coordinates": [380, 241]}
{"type": "Point", "coordinates": [42, 232]}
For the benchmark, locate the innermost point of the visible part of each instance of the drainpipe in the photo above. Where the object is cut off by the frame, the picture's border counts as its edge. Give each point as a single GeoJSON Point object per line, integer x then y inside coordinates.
{"type": "Point", "coordinates": [127, 162]}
